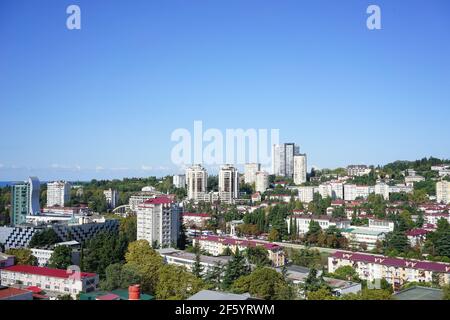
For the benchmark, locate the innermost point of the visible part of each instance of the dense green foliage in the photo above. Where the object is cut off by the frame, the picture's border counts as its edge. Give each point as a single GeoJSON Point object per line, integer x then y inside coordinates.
{"type": "Point", "coordinates": [44, 238]}
{"type": "Point", "coordinates": [61, 257]}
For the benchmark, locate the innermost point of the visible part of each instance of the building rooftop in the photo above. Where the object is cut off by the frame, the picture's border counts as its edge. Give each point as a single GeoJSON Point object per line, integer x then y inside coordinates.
{"type": "Point", "coordinates": [218, 295]}
{"type": "Point", "coordinates": [364, 230]}
{"type": "Point", "coordinates": [191, 256]}
{"type": "Point", "coordinates": [240, 242]}
{"type": "Point", "coordinates": [9, 292]}
{"type": "Point", "coordinates": [394, 262]}
{"type": "Point", "coordinates": [419, 293]}
{"type": "Point", "coordinates": [43, 271]}
{"type": "Point", "coordinates": [118, 294]}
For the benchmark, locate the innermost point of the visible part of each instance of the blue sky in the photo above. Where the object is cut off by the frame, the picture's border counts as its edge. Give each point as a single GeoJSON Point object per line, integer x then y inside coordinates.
{"type": "Point", "coordinates": [103, 101]}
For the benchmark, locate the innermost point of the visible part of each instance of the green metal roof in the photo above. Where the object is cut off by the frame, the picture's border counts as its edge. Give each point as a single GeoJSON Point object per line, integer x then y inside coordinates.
{"type": "Point", "coordinates": [122, 293]}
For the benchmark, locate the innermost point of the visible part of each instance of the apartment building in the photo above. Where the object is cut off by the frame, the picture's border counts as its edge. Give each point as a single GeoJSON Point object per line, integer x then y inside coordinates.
{"type": "Point", "coordinates": [53, 281]}
{"type": "Point", "coordinates": [228, 184]}
{"type": "Point", "coordinates": [179, 181]}
{"type": "Point", "coordinates": [58, 193]}
{"type": "Point", "coordinates": [197, 182]}
{"type": "Point", "coordinates": [397, 271]}
{"type": "Point", "coordinates": [300, 169]}
{"type": "Point", "coordinates": [158, 221]}
{"type": "Point", "coordinates": [250, 170]}
{"type": "Point", "coordinates": [353, 191]}
{"type": "Point", "coordinates": [283, 159]}
{"type": "Point", "coordinates": [443, 192]}
{"type": "Point", "coordinates": [261, 181]}
{"type": "Point", "coordinates": [302, 221]}
{"type": "Point", "coordinates": [357, 170]}
{"type": "Point", "coordinates": [112, 198]}
{"type": "Point", "coordinates": [25, 200]}
{"type": "Point", "coordinates": [216, 245]}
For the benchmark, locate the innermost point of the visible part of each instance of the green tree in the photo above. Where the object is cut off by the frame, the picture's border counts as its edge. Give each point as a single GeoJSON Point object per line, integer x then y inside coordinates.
{"type": "Point", "coordinates": [258, 256]}
{"type": "Point", "coordinates": [322, 293]}
{"type": "Point", "coordinates": [346, 273]}
{"type": "Point", "coordinates": [175, 283]}
{"type": "Point", "coordinates": [23, 256]}
{"type": "Point", "coordinates": [313, 282]}
{"type": "Point", "coordinates": [61, 257]}
{"type": "Point", "coordinates": [44, 238]}
{"type": "Point", "coordinates": [265, 283]}
{"type": "Point", "coordinates": [147, 263]}
{"type": "Point", "coordinates": [197, 268]}
{"type": "Point", "coordinates": [235, 269]}
{"type": "Point", "coordinates": [103, 249]}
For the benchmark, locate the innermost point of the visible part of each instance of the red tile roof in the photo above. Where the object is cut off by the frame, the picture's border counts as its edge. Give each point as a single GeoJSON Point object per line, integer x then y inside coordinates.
{"type": "Point", "coordinates": [159, 200]}
{"type": "Point", "coordinates": [417, 232]}
{"type": "Point", "coordinates": [48, 272]}
{"type": "Point", "coordinates": [240, 242]}
{"type": "Point", "coordinates": [11, 292]}
{"type": "Point", "coordinates": [201, 215]}
{"type": "Point", "coordinates": [393, 262]}
{"type": "Point", "coordinates": [108, 297]}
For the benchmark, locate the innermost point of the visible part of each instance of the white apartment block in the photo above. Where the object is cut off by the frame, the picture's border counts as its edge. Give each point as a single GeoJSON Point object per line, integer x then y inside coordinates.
{"type": "Point", "coordinates": [262, 181]}
{"type": "Point", "coordinates": [158, 221]}
{"type": "Point", "coordinates": [410, 180]}
{"type": "Point", "coordinates": [357, 170]}
{"type": "Point", "coordinates": [228, 184]}
{"type": "Point", "coordinates": [396, 271]}
{"type": "Point", "coordinates": [401, 188]}
{"type": "Point", "coordinates": [300, 169]}
{"type": "Point", "coordinates": [382, 189]}
{"type": "Point", "coordinates": [306, 194]}
{"type": "Point", "coordinates": [283, 159]}
{"type": "Point", "coordinates": [302, 222]}
{"type": "Point", "coordinates": [443, 192]}
{"type": "Point", "coordinates": [250, 170]}
{"type": "Point", "coordinates": [353, 191]}
{"type": "Point", "coordinates": [197, 182]}
{"type": "Point", "coordinates": [53, 281]}
{"type": "Point", "coordinates": [112, 198]}
{"type": "Point", "coordinates": [58, 193]}
{"type": "Point", "coordinates": [216, 245]}
{"type": "Point", "coordinates": [179, 181]}
{"type": "Point", "coordinates": [333, 190]}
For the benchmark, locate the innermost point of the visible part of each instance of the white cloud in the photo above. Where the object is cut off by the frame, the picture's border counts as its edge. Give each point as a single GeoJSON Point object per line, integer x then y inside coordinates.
{"type": "Point", "coordinates": [99, 168]}
{"type": "Point", "coordinates": [146, 168]}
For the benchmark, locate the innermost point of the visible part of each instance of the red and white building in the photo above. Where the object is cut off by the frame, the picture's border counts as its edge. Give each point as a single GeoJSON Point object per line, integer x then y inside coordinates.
{"type": "Point", "coordinates": [433, 218]}
{"type": "Point", "coordinates": [397, 271]}
{"type": "Point", "coordinates": [57, 281]}
{"type": "Point", "coordinates": [158, 221]}
{"type": "Point", "coordinates": [216, 245]}
{"type": "Point", "coordinates": [417, 236]}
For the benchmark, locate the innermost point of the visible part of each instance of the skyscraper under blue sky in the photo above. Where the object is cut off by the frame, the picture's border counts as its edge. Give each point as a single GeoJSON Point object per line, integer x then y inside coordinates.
{"type": "Point", "coordinates": [102, 101]}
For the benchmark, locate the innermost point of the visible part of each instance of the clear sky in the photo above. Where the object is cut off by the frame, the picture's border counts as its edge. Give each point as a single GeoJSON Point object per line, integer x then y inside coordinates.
{"type": "Point", "coordinates": [103, 101]}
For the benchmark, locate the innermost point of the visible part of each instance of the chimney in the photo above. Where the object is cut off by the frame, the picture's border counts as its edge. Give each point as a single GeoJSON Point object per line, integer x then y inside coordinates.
{"type": "Point", "coordinates": [134, 292]}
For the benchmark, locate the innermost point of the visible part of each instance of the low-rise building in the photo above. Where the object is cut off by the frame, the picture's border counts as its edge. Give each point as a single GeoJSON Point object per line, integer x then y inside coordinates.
{"type": "Point", "coordinates": [396, 271]}
{"type": "Point", "coordinates": [363, 237]}
{"type": "Point", "coordinates": [11, 293]}
{"type": "Point", "coordinates": [301, 222]}
{"type": "Point", "coordinates": [197, 220]}
{"type": "Point", "coordinates": [216, 245]}
{"type": "Point", "coordinates": [56, 281]}
{"type": "Point", "coordinates": [187, 259]}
